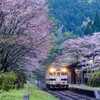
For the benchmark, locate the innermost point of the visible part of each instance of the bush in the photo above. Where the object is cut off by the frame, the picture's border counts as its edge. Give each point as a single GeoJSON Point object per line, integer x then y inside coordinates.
{"type": "Point", "coordinates": [7, 81]}
{"type": "Point", "coordinates": [94, 79]}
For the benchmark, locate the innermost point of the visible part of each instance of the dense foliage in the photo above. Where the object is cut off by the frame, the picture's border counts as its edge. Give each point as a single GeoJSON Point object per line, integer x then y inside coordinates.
{"type": "Point", "coordinates": [94, 79]}
{"type": "Point", "coordinates": [7, 81]}
{"type": "Point", "coordinates": [73, 14]}
{"type": "Point", "coordinates": [93, 26]}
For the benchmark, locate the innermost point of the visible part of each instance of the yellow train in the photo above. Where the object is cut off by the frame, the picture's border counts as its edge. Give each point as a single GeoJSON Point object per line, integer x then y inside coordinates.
{"type": "Point", "coordinates": [56, 78]}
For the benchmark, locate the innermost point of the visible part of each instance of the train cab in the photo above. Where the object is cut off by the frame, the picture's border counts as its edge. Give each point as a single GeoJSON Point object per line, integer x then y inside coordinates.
{"type": "Point", "coordinates": [56, 78]}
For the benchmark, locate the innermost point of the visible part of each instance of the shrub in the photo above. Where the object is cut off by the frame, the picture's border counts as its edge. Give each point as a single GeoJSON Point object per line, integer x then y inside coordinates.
{"type": "Point", "coordinates": [7, 81]}
{"type": "Point", "coordinates": [94, 79]}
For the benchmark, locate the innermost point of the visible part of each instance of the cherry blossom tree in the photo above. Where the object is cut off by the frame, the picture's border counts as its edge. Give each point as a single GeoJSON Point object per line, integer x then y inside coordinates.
{"type": "Point", "coordinates": [24, 35]}
{"type": "Point", "coordinates": [79, 49]}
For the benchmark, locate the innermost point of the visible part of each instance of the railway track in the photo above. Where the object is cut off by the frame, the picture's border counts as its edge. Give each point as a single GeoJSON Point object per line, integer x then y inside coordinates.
{"type": "Point", "coordinates": [74, 96]}
{"type": "Point", "coordinates": [66, 95]}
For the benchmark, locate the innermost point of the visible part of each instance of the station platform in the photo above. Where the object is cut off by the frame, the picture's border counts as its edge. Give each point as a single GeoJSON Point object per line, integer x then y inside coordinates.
{"type": "Point", "coordinates": [85, 90]}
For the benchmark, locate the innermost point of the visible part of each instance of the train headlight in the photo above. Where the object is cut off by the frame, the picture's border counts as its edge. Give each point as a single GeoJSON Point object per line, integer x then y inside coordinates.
{"type": "Point", "coordinates": [64, 71]}
{"type": "Point", "coordinates": [52, 70]}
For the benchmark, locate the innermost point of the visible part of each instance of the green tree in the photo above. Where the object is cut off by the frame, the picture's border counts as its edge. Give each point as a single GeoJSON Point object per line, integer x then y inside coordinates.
{"type": "Point", "coordinates": [72, 19]}
{"type": "Point", "coordinates": [96, 23]}
{"type": "Point", "coordinates": [93, 26]}
{"type": "Point", "coordinates": [88, 30]}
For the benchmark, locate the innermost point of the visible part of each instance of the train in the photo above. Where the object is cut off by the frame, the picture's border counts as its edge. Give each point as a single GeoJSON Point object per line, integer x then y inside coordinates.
{"type": "Point", "coordinates": [56, 78]}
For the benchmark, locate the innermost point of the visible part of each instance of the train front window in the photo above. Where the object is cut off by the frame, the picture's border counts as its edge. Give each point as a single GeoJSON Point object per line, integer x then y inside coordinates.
{"type": "Point", "coordinates": [52, 73]}
{"type": "Point", "coordinates": [63, 73]}
{"type": "Point", "coordinates": [58, 73]}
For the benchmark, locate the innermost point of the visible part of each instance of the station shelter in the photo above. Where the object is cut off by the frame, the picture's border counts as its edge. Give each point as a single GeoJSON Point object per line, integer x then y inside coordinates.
{"type": "Point", "coordinates": [74, 76]}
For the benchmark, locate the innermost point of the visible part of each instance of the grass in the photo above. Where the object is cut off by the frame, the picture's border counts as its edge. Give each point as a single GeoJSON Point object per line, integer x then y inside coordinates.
{"type": "Point", "coordinates": [37, 94]}
{"type": "Point", "coordinates": [15, 94]}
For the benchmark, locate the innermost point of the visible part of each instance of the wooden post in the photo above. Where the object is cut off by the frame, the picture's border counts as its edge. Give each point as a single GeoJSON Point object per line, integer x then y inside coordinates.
{"type": "Point", "coordinates": [73, 77]}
